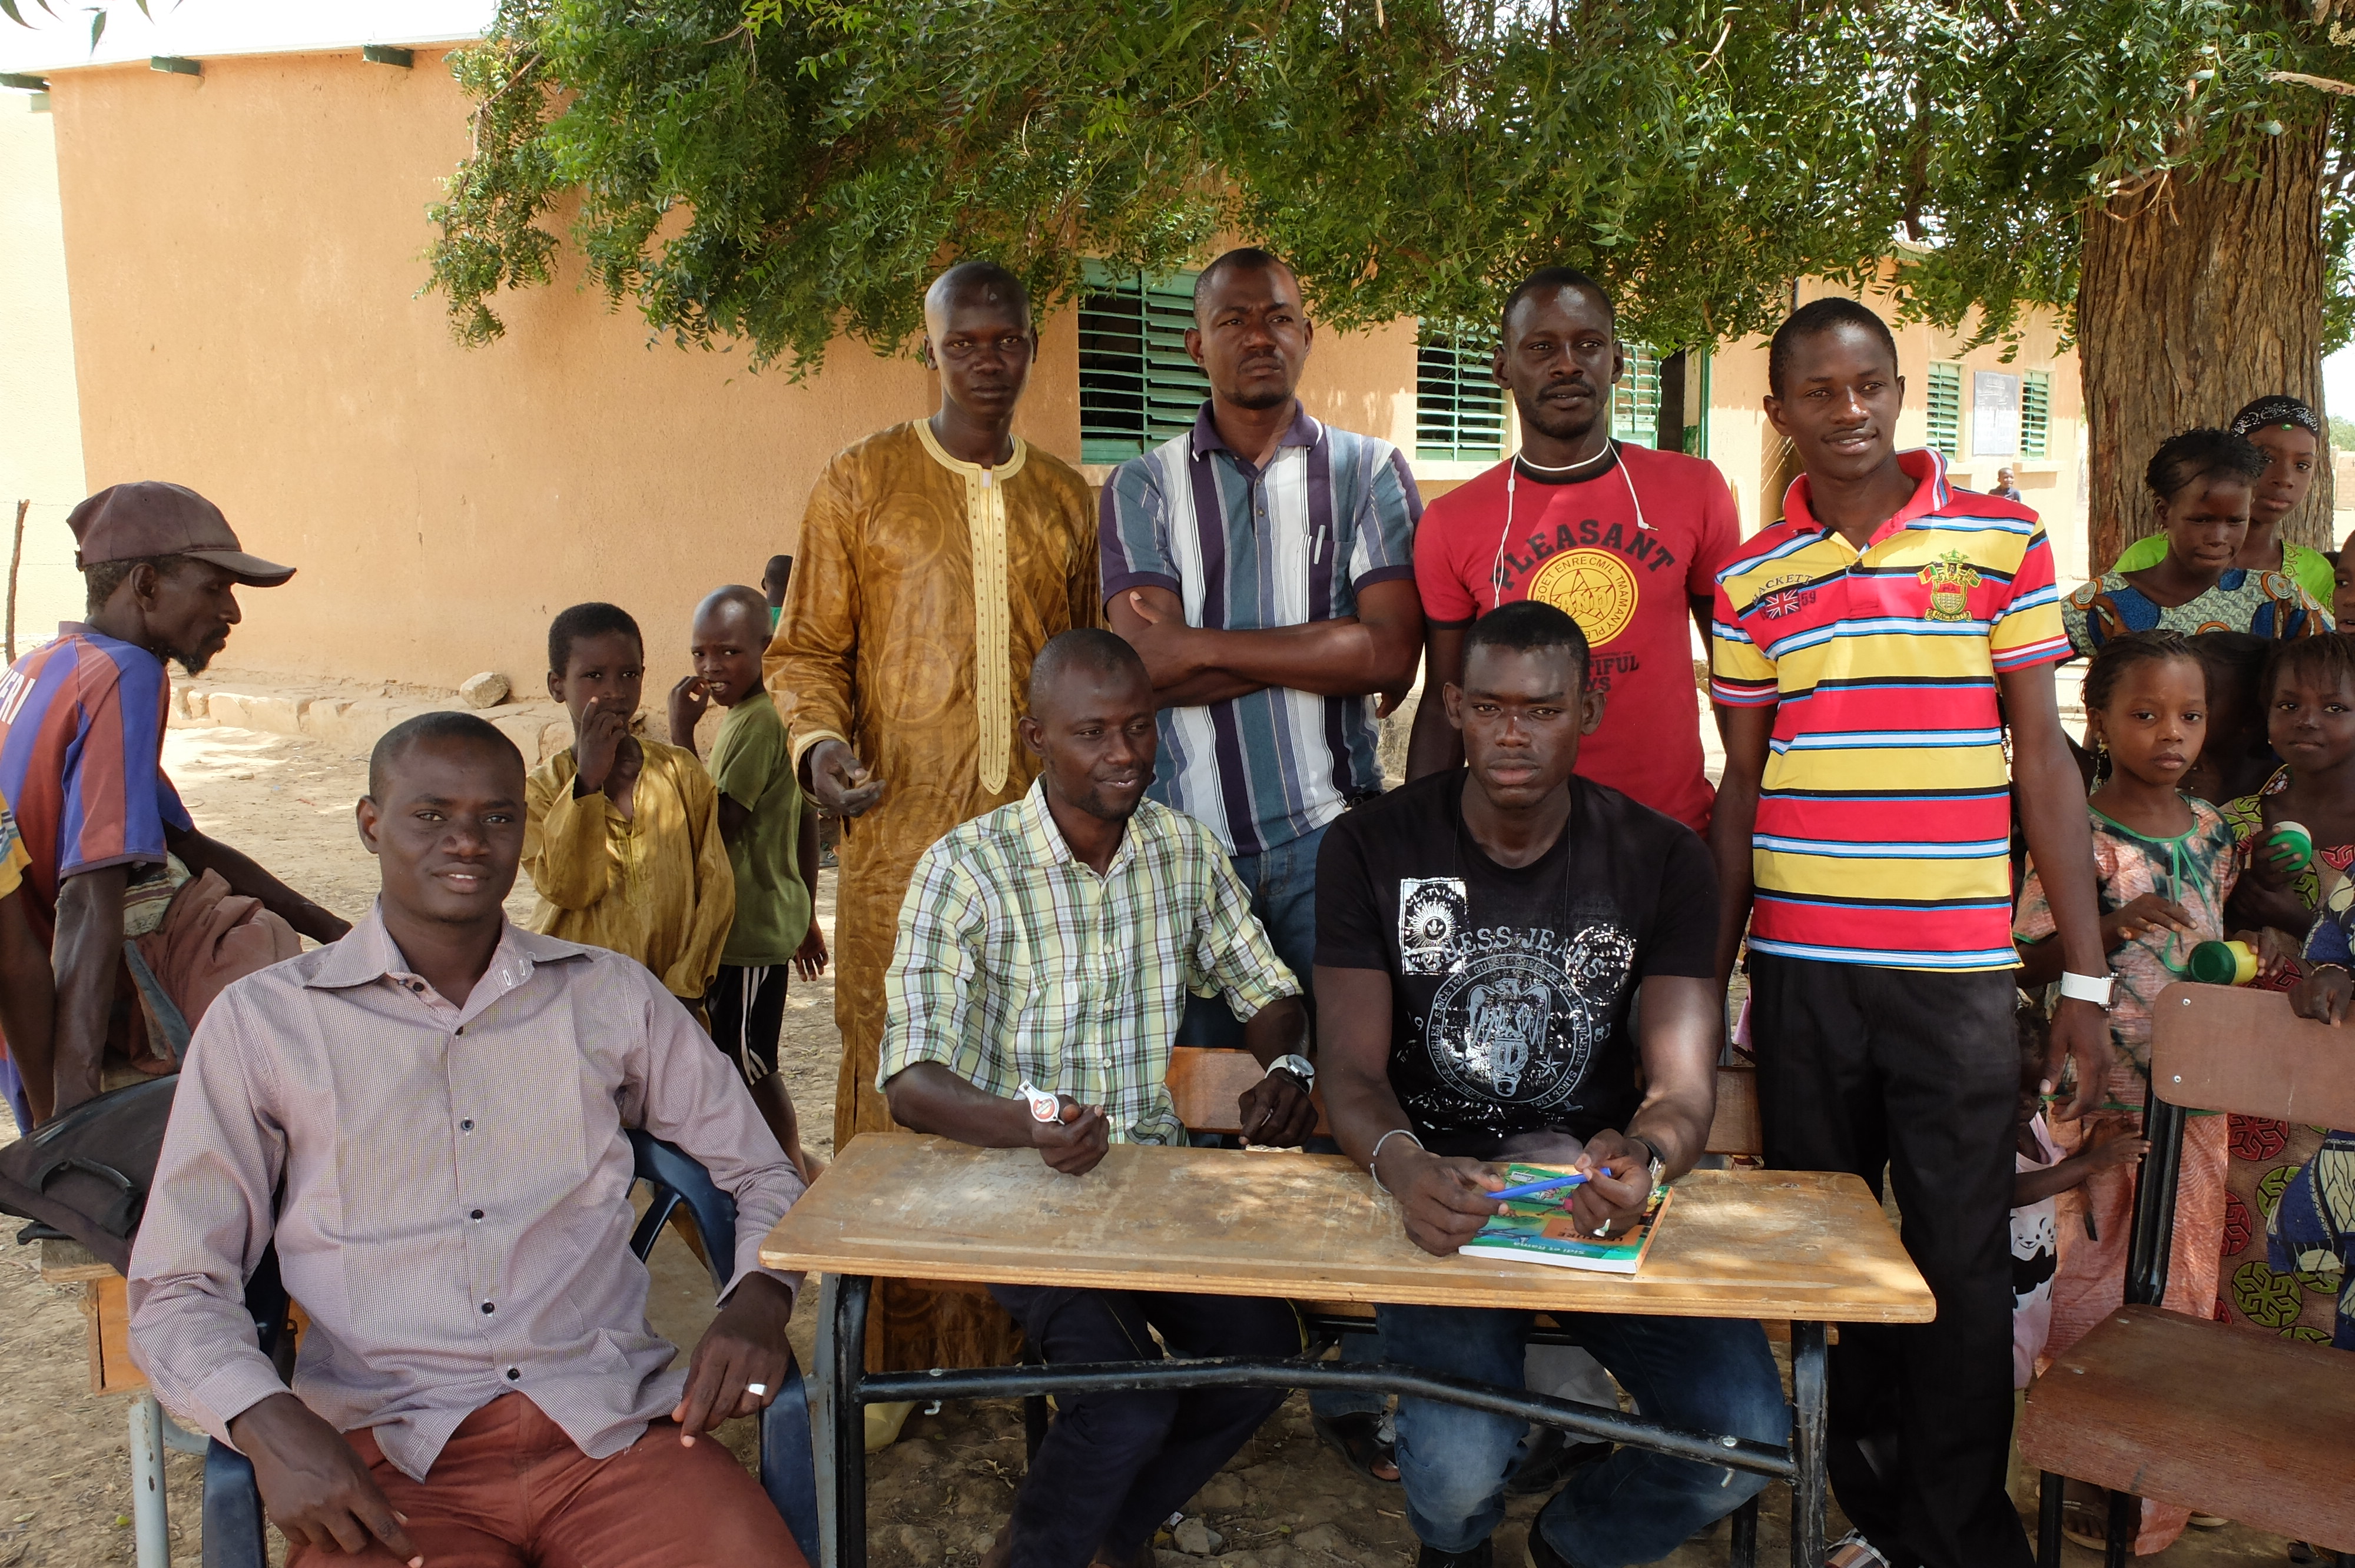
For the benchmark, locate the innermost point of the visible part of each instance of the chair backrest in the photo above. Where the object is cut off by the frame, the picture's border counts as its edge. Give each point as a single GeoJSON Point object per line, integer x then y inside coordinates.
{"type": "Point", "coordinates": [2219, 1048]}
{"type": "Point", "coordinates": [2225, 1048]}
{"type": "Point", "coordinates": [1735, 1128]}
{"type": "Point", "coordinates": [1205, 1085]}
{"type": "Point", "coordinates": [680, 1182]}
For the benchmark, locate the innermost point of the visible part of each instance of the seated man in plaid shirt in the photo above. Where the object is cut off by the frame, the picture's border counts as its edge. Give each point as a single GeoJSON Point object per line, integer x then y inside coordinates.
{"type": "Point", "coordinates": [1049, 947]}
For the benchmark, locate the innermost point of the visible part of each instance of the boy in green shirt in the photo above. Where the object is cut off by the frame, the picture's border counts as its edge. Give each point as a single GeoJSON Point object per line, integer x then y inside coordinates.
{"type": "Point", "coordinates": [772, 838]}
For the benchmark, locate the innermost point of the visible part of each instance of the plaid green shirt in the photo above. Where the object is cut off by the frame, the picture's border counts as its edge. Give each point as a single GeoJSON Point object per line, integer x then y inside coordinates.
{"type": "Point", "coordinates": [1015, 961]}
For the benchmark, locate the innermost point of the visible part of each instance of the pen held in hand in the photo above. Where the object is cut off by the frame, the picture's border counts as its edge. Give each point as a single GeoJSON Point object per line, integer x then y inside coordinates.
{"type": "Point", "coordinates": [1532, 1189]}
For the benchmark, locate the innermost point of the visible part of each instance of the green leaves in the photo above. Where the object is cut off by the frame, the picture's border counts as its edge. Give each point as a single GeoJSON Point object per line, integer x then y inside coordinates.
{"type": "Point", "coordinates": [781, 170]}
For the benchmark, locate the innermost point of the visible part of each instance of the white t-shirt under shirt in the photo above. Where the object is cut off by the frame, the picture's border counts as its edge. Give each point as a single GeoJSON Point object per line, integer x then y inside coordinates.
{"type": "Point", "coordinates": [1627, 550]}
{"type": "Point", "coordinates": [1511, 987]}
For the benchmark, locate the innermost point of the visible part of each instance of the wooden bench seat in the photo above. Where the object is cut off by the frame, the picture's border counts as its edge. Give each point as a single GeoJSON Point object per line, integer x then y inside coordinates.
{"type": "Point", "coordinates": [2167, 1407]}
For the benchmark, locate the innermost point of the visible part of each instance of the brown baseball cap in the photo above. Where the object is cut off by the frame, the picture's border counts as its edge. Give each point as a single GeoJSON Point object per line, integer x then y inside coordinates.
{"type": "Point", "coordinates": [127, 521]}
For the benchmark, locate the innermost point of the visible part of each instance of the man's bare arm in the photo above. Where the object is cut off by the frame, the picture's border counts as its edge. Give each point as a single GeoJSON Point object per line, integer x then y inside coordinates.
{"type": "Point", "coordinates": [926, 1097]}
{"type": "Point", "coordinates": [203, 853]}
{"type": "Point", "coordinates": [1444, 1201]}
{"type": "Point", "coordinates": [1374, 651]}
{"type": "Point", "coordinates": [1681, 1028]}
{"type": "Point", "coordinates": [1435, 745]}
{"type": "Point", "coordinates": [1730, 822]}
{"type": "Point", "coordinates": [28, 996]}
{"type": "Point", "coordinates": [85, 957]}
{"type": "Point", "coordinates": [2051, 793]}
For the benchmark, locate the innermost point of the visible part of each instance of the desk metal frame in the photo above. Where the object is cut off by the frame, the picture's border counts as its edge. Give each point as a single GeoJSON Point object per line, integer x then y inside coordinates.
{"type": "Point", "coordinates": [846, 1388]}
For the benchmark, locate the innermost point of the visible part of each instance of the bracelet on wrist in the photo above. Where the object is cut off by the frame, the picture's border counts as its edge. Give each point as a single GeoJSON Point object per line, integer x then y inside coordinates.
{"type": "Point", "coordinates": [1407, 1133]}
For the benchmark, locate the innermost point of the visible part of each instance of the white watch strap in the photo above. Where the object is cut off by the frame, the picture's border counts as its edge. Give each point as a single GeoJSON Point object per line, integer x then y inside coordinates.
{"type": "Point", "coordinates": [2085, 988]}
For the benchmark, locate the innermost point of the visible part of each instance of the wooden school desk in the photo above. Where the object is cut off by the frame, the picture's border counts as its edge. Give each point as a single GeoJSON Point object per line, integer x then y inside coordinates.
{"type": "Point", "coordinates": [1813, 1248]}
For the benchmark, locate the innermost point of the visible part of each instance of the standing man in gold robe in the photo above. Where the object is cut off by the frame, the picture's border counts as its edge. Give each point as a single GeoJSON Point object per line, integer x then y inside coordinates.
{"type": "Point", "coordinates": [936, 558]}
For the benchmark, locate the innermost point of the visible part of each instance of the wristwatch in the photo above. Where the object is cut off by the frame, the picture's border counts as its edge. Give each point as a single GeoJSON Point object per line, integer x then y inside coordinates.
{"type": "Point", "coordinates": [2095, 988]}
{"type": "Point", "coordinates": [1657, 1165]}
{"type": "Point", "coordinates": [1300, 1067]}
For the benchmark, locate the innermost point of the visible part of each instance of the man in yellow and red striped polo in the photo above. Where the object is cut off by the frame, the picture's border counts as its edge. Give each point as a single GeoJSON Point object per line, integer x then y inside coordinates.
{"type": "Point", "coordinates": [1870, 650]}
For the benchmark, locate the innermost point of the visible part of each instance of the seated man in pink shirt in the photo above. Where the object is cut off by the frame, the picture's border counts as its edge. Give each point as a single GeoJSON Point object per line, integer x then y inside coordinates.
{"type": "Point", "coordinates": [428, 1119]}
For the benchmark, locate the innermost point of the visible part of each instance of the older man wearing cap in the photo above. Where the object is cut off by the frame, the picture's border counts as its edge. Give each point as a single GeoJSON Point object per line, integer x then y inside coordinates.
{"type": "Point", "coordinates": [81, 731]}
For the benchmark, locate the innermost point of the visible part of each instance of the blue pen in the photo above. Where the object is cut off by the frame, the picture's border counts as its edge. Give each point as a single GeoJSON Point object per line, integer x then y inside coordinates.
{"type": "Point", "coordinates": [1532, 1189]}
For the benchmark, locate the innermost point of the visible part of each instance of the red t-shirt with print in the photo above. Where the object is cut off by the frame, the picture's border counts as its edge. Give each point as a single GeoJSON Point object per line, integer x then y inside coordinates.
{"type": "Point", "coordinates": [1627, 551]}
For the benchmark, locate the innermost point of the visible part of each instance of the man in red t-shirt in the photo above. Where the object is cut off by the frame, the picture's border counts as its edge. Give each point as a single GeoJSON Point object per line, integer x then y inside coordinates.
{"type": "Point", "coordinates": [1627, 540]}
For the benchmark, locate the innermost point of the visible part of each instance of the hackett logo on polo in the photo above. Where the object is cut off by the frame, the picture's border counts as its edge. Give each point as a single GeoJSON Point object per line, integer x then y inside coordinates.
{"type": "Point", "coordinates": [1788, 601]}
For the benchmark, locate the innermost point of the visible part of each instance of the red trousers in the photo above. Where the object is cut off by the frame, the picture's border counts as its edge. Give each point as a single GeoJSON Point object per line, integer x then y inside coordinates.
{"type": "Point", "coordinates": [511, 1490]}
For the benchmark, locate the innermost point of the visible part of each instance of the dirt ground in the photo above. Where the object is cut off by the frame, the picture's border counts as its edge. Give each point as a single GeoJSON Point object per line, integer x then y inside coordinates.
{"type": "Point", "coordinates": [939, 1495]}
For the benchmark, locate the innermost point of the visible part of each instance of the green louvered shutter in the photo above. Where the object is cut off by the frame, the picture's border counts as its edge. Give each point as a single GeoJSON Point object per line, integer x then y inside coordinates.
{"type": "Point", "coordinates": [1459, 410]}
{"type": "Point", "coordinates": [1137, 389]}
{"type": "Point", "coordinates": [1635, 399]}
{"type": "Point", "coordinates": [1946, 409]}
{"type": "Point", "coordinates": [2036, 413]}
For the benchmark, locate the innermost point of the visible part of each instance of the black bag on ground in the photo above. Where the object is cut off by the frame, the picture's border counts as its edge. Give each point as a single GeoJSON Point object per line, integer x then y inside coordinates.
{"type": "Point", "coordinates": [86, 1172]}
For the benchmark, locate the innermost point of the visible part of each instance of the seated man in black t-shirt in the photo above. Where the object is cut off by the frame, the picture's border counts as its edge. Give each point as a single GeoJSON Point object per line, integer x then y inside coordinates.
{"type": "Point", "coordinates": [1481, 939]}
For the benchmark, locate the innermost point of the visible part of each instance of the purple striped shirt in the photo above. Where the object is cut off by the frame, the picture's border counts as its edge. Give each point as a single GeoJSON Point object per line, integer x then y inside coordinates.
{"type": "Point", "coordinates": [1248, 550]}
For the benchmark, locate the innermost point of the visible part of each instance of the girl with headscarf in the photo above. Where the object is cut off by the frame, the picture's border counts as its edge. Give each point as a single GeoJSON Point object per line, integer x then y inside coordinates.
{"type": "Point", "coordinates": [2202, 486]}
{"type": "Point", "coordinates": [2290, 435]}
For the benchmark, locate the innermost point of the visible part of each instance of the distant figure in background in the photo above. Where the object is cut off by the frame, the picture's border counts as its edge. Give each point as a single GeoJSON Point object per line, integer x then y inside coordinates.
{"type": "Point", "coordinates": [2006, 485]}
{"type": "Point", "coordinates": [936, 558]}
{"type": "Point", "coordinates": [2289, 435]}
{"type": "Point", "coordinates": [2203, 485]}
{"type": "Point", "coordinates": [81, 738]}
{"type": "Point", "coordinates": [623, 843]}
{"type": "Point", "coordinates": [772, 838]}
{"type": "Point", "coordinates": [774, 578]}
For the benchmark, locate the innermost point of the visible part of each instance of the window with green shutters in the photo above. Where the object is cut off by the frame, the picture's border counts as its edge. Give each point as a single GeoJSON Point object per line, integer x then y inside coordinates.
{"type": "Point", "coordinates": [1635, 399]}
{"type": "Point", "coordinates": [2036, 413]}
{"type": "Point", "coordinates": [1137, 389]}
{"type": "Point", "coordinates": [1946, 409]}
{"type": "Point", "coordinates": [1459, 410]}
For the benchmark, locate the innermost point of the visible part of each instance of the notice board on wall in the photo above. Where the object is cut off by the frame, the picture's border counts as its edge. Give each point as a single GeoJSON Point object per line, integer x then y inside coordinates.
{"type": "Point", "coordinates": [1995, 414]}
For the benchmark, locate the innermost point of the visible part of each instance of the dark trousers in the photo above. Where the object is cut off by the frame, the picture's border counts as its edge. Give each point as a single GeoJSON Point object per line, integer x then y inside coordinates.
{"type": "Point", "coordinates": [747, 1008]}
{"type": "Point", "coordinates": [1115, 1464]}
{"type": "Point", "coordinates": [1860, 1068]}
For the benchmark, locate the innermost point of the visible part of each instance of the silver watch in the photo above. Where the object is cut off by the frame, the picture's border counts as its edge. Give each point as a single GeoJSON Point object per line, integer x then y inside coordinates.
{"type": "Point", "coordinates": [1300, 1067]}
{"type": "Point", "coordinates": [1657, 1165]}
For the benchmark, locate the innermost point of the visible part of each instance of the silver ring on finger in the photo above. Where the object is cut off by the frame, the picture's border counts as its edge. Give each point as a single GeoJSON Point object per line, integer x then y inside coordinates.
{"type": "Point", "coordinates": [757, 1390]}
{"type": "Point", "coordinates": [1604, 1229]}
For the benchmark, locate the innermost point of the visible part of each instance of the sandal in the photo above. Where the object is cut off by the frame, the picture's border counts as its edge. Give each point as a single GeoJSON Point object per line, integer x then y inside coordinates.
{"type": "Point", "coordinates": [2087, 1525]}
{"type": "Point", "coordinates": [1358, 1439]}
{"type": "Point", "coordinates": [1853, 1551]}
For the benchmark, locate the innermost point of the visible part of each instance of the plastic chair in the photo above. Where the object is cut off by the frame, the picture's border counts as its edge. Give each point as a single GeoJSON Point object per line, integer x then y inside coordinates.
{"type": "Point", "coordinates": [234, 1536]}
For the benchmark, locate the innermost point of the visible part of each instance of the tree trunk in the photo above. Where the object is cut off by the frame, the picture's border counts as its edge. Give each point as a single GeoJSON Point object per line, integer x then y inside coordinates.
{"type": "Point", "coordinates": [2192, 300]}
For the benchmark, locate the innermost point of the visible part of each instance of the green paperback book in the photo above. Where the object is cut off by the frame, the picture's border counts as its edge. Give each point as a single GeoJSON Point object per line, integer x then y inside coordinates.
{"type": "Point", "coordinates": [1539, 1229]}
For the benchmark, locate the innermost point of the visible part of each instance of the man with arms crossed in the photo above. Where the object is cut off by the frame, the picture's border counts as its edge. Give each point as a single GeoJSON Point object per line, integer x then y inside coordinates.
{"type": "Point", "coordinates": [1052, 945]}
{"type": "Point", "coordinates": [1627, 540]}
{"type": "Point", "coordinates": [1869, 650]}
{"type": "Point", "coordinates": [1483, 935]}
{"type": "Point", "coordinates": [427, 1118]}
{"type": "Point", "coordinates": [1261, 564]}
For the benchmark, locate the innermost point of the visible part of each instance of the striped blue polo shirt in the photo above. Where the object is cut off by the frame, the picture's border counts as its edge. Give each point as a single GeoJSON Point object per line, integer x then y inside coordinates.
{"type": "Point", "coordinates": [1247, 549]}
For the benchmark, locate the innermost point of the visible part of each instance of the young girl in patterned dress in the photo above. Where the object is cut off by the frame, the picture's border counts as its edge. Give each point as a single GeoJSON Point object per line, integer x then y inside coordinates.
{"type": "Point", "coordinates": [2311, 719]}
{"type": "Point", "coordinates": [2167, 868]}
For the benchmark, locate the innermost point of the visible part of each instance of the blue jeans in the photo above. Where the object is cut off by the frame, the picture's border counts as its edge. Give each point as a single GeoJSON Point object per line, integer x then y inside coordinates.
{"type": "Point", "coordinates": [1704, 1374]}
{"type": "Point", "coordinates": [1283, 888]}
